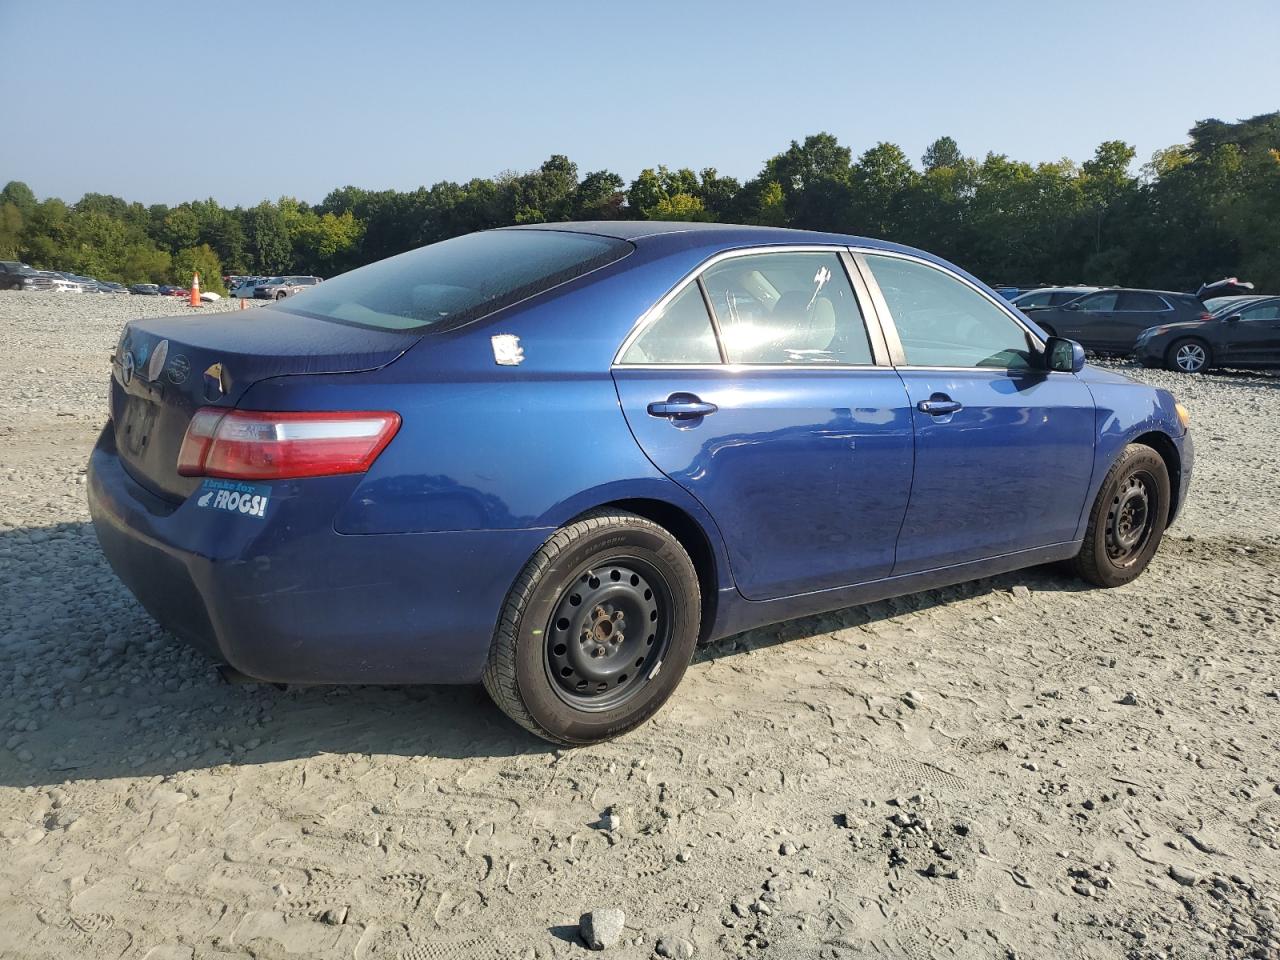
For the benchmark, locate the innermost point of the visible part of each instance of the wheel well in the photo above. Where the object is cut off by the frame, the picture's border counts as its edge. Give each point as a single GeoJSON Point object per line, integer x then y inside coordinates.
{"type": "Point", "coordinates": [1161, 444]}
{"type": "Point", "coordinates": [1194, 339]}
{"type": "Point", "coordinates": [694, 540]}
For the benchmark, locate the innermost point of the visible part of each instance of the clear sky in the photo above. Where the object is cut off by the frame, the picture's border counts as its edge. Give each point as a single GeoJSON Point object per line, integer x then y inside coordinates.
{"type": "Point", "coordinates": [168, 101]}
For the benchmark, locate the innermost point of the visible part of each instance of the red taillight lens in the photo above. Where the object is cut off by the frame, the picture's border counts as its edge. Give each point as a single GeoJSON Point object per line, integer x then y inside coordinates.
{"type": "Point", "coordinates": [259, 445]}
{"type": "Point", "coordinates": [1206, 316]}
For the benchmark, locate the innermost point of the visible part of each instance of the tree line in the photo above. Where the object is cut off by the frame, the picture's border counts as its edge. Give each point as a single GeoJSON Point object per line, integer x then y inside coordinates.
{"type": "Point", "coordinates": [1197, 211]}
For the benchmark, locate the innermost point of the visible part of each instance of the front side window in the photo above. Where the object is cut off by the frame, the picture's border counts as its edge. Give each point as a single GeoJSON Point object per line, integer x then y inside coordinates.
{"type": "Point", "coordinates": [681, 333]}
{"type": "Point", "coordinates": [1268, 311]}
{"type": "Point", "coordinates": [787, 308]}
{"type": "Point", "coordinates": [943, 322]}
{"type": "Point", "coordinates": [1035, 300]}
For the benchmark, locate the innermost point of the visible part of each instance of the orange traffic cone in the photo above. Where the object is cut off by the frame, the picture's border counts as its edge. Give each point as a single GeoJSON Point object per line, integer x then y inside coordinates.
{"type": "Point", "coordinates": [195, 289]}
{"type": "Point", "coordinates": [242, 303]}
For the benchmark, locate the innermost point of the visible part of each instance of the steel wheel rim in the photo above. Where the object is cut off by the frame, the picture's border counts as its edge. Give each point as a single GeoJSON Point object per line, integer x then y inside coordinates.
{"type": "Point", "coordinates": [1190, 357]}
{"type": "Point", "coordinates": [608, 634]}
{"type": "Point", "coordinates": [1131, 518]}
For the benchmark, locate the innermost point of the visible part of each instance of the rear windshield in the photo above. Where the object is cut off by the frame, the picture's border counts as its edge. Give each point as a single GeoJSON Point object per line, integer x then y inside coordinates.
{"type": "Point", "coordinates": [455, 281]}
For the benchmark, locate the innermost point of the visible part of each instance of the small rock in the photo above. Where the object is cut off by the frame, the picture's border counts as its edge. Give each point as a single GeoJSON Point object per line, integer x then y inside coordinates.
{"type": "Point", "coordinates": [675, 947]}
{"type": "Point", "coordinates": [334, 916]}
{"type": "Point", "coordinates": [1021, 591]}
{"type": "Point", "coordinates": [601, 929]}
{"type": "Point", "coordinates": [1187, 878]}
{"type": "Point", "coordinates": [1130, 699]}
{"type": "Point", "coordinates": [787, 848]}
{"type": "Point", "coordinates": [1084, 889]}
{"type": "Point", "coordinates": [684, 856]}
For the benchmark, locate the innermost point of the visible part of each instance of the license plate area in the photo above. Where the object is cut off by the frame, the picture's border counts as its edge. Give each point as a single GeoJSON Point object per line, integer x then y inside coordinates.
{"type": "Point", "coordinates": [137, 424]}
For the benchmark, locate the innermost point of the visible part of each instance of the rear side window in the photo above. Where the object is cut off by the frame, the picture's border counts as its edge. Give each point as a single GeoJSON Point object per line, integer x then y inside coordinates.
{"type": "Point", "coordinates": [787, 308]}
{"type": "Point", "coordinates": [450, 283]}
{"type": "Point", "coordinates": [1099, 302]}
{"type": "Point", "coordinates": [1138, 301]}
{"type": "Point", "coordinates": [943, 322]}
{"type": "Point", "coordinates": [682, 333]}
{"type": "Point", "coordinates": [1035, 300]}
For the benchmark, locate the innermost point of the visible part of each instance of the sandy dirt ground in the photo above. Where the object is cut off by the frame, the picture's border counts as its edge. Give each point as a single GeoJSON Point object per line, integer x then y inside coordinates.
{"type": "Point", "coordinates": [1018, 767]}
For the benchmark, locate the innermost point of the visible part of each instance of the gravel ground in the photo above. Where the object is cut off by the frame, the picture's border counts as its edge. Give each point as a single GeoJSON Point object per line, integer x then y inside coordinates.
{"type": "Point", "coordinates": [1014, 767]}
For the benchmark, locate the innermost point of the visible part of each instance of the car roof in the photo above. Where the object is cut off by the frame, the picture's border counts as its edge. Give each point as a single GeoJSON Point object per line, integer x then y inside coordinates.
{"type": "Point", "coordinates": [727, 234]}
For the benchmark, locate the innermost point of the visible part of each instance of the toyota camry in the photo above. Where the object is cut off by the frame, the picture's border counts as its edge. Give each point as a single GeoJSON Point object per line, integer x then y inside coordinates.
{"type": "Point", "coordinates": [553, 459]}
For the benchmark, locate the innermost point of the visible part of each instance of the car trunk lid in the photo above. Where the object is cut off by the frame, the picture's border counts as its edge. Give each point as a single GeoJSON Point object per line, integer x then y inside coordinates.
{"type": "Point", "coordinates": [165, 369]}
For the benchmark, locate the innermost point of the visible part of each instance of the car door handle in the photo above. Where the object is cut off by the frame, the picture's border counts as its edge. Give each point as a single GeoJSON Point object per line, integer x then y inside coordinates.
{"type": "Point", "coordinates": [939, 406]}
{"type": "Point", "coordinates": [681, 407]}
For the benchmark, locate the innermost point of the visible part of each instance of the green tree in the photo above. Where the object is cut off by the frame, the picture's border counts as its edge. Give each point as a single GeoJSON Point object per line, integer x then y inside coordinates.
{"type": "Point", "coordinates": [943, 152]}
{"type": "Point", "coordinates": [202, 260]}
{"type": "Point", "coordinates": [267, 239]}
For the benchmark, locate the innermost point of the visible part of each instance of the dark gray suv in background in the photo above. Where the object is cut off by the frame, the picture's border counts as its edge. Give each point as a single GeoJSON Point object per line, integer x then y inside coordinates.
{"type": "Point", "coordinates": [1109, 320]}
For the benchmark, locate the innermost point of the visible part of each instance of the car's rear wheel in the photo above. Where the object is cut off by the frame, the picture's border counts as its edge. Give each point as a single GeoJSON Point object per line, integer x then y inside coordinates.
{"type": "Point", "coordinates": [1188, 356]}
{"type": "Point", "coordinates": [280, 295]}
{"type": "Point", "coordinates": [1127, 520]}
{"type": "Point", "coordinates": [597, 631]}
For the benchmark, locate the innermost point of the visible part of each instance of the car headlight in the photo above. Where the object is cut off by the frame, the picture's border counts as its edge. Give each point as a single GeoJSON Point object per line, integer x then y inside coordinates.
{"type": "Point", "coordinates": [1184, 415]}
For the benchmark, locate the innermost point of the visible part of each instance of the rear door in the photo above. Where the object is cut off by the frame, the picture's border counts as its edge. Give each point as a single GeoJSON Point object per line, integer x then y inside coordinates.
{"type": "Point", "coordinates": [1255, 337]}
{"type": "Point", "coordinates": [1135, 311]}
{"type": "Point", "coordinates": [1004, 448]}
{"type": "Point", "coordinates": [756, 388]}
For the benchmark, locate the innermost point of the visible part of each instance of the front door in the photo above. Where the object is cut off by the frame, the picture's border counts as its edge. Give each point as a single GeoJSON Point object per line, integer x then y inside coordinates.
{"type": "Point", "coordinates": [1004, 448]}
{"type": "Point", "coordinates": [1090, 320]}
{"type": "Point", "coordinates": [783, 426]}
{"type": "Point", "coordinates": [1255, 337]}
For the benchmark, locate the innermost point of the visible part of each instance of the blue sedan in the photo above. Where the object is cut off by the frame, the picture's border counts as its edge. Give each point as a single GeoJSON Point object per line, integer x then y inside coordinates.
{"type": "Point", "coordinates": [553, 459]}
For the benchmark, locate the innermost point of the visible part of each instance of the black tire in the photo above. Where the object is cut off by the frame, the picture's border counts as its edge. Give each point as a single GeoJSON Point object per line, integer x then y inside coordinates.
{"type": "Point", "coordinates": [526, 670]}
{"type": "Point", "coordinates": [280, 295]}
{"type": "Point", "coordinates": [1188, 355]}
{"type": "Point", "coordinates": [1127, 520]}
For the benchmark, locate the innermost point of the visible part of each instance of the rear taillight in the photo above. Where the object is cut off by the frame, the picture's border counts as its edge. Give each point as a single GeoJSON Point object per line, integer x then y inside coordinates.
{"type": "Point", "coordinates": [1206, 316]}
{"type": "Point", "coordinates": [260, 445]}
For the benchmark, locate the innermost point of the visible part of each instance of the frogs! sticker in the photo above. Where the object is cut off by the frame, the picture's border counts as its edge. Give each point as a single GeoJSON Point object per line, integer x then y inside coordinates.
{"type": "Point", "coordinates": [233, 496]}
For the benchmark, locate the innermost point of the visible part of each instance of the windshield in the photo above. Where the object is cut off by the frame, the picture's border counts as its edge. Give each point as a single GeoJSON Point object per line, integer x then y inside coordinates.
{"type": "Point", "coordinates": [449, 283]}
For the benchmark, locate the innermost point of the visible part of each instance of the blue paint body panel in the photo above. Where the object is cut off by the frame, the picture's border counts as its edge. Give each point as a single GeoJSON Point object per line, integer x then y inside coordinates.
{"type": "Point", "coordinates": [809, 488]}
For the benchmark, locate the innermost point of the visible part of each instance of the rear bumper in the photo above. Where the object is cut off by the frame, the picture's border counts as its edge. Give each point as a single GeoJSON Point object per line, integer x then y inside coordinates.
{"type": "Point", "coordinates": [287, 599]}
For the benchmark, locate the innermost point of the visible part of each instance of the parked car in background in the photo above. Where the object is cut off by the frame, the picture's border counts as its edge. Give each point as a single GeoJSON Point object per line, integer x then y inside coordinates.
{"type": "Point", "coordinates": [109, 286]}
{"type": "Point", "coordinates": [12, 273]}
{"type": "Point", "coordinates": [1218, 304]}
{"type": "Point", "coordinates": [48, 281]}
{"type": "Point", "coordinates": [243, 286]}
{"type": "Point", "coordinates": [552, 459]}
{"type": "Point", "coordinates": [167, 290]}
{"type": "Point", "coordinates": [1245, 333]}
{"type": "Point", "coordinates": [280, 287]}
{"type": "Point", "coordinates": [1049, 297]}
{"type": "Point", "coordinates": [145, 289]}
{"type": "Point", "coordinates": [86, 284]}
{"type": "Point", "coordinates": [1109, 321]}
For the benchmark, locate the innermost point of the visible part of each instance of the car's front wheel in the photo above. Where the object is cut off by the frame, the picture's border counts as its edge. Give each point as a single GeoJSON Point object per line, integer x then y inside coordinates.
{"type": "Point", "coordinates": [1188, 356]}
{"type": "Point", "coordinates": [1127, 520]}
{"type": "Point", "coordinates": [280, 295]}
{"type": "Point", "coordinates": [597, 631]}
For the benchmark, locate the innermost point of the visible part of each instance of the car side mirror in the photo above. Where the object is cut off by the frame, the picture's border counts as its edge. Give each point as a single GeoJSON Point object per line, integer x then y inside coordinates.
{"type": "Point", "coordinates": [1234, 318]}
{"type": "Point", "coordinates": [1072, 306]}
{"type": "Point", "coordinates": [1063, 355]}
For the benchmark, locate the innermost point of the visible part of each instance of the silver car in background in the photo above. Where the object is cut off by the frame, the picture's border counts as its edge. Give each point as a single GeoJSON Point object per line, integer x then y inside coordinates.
{"type": "Point", "coordinates": [280, 287]}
